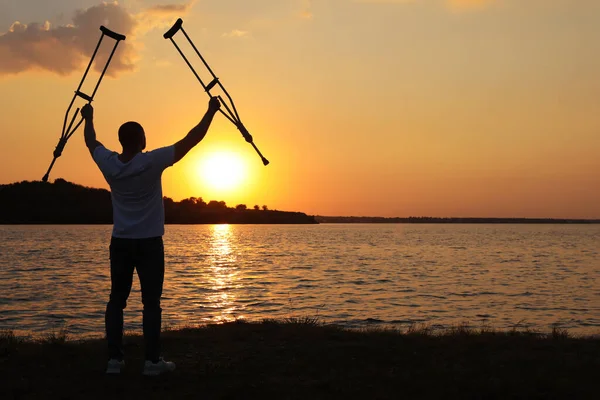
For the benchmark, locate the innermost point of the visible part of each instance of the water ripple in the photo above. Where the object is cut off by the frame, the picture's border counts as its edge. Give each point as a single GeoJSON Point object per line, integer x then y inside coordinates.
{"type": "Point", "coordinates": [355, 275]}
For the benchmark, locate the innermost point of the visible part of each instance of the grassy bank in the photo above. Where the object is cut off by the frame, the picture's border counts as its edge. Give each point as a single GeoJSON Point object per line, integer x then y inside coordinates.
{"type": "Point", "coordinates": [306, 360]}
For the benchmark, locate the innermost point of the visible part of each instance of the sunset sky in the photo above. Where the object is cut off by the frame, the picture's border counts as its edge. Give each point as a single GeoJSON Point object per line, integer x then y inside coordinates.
{"type": "Point", "coordinates": [364, 107]}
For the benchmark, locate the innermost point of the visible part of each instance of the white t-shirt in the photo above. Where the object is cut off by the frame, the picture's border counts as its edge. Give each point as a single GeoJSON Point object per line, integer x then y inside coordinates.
{"type": "Point", "coordinates": [136, 191]}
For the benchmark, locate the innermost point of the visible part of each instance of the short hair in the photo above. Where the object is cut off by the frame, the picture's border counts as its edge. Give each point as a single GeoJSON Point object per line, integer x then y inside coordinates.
{"type": "Point", "coordinates": [131, 135]}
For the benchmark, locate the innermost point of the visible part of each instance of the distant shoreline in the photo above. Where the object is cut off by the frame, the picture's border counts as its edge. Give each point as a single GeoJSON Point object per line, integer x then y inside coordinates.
{"type": "Point", "coordinates": [462, 222]}
{"type": "Point", "coordinates": [435, 220]}
{"type": "Point", "coordinates": [66, 203]}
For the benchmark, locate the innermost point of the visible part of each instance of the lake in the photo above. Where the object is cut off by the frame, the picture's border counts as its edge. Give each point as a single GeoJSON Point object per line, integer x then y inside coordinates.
{"type": "Point", "coordinates": [356, 275]}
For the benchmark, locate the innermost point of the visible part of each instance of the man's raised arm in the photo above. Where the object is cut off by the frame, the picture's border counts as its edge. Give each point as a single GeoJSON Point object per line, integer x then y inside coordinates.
{"type": "Point", "coordinates": [198, 132]}
{"type": "Point", "coordinates": [89, 133]}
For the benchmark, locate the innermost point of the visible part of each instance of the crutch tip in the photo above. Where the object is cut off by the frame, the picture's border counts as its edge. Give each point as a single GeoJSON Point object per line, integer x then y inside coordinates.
{"type": "Point", "coordinates": [265, 161]}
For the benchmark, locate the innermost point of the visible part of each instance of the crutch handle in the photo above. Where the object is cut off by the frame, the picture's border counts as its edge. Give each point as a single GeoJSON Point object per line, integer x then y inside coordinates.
{"type": "Point", "coordinates": [112, 34]}
{"type": "Point", "coordinates": [84, 96]}
{"type": "Point", "coordinates": [174, 29]}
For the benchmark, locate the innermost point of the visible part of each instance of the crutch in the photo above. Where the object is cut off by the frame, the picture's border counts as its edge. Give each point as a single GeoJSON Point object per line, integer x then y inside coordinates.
{"type": "Point", "coordinates": [230, 113]}
{"type": "Point", "coordinates": [67, 132]}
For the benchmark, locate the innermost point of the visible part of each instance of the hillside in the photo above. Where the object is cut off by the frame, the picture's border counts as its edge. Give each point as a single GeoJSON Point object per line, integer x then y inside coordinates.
{"type": "Point", "coordinates": [64, 202]}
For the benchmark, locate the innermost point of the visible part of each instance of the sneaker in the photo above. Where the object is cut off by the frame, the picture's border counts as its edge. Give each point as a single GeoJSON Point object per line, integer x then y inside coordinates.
{"type": "Point", "coordinates": [157, 368]}
{"type": "Point", "coordinates": [114, 366]}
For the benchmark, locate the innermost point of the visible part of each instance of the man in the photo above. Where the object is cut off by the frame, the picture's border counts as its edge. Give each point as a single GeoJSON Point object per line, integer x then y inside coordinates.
{"type": "Point", "coordinates": [134, 177]}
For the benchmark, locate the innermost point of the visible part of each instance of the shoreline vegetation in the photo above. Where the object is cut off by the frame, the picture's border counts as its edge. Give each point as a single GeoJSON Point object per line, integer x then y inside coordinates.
{"type": "Point", "coordinates": [300, 358]}
{"type": "Point", "coordinates": [63, 202]}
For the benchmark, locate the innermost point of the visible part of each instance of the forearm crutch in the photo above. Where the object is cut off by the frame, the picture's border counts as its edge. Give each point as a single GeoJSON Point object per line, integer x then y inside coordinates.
{"type": "Point", "coordinates": [230, 113]}
{"type": "Point", "coordinates": [67, 132]}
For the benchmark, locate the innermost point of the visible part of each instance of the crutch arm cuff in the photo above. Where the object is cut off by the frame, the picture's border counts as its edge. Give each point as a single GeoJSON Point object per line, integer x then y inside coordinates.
{"type": "Point", "coordinates": [174, 29]}
{"type": "Point", "coordinates": [112, 34]}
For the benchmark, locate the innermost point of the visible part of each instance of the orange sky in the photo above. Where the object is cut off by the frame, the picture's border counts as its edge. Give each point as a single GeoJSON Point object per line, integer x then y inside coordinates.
{"type": "Point", "coordinates": [363, 107]}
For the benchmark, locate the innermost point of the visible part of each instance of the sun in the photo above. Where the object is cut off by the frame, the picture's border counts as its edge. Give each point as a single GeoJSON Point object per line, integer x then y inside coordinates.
{"type": "Point", "coordinates": [222, 171]}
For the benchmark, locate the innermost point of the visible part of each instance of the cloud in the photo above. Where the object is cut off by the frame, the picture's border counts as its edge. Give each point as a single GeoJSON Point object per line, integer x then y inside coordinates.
{"type": "Point", "coordinates": [462, 4]}
{"type": "Point", "coordinates": [385, 1]}
{"type": "Point", "coordinates": [452, 4]}
{"type": "Point", "coordinates": [161, 16]}
{"type": "Point", "coordinates": [66, 49]}
{"type": "Point", "coordinates": [236, 33]}
{"type": "Point", "coordinates": [170, 9]}
{"type": "Point", "coordinates": [306, 13]}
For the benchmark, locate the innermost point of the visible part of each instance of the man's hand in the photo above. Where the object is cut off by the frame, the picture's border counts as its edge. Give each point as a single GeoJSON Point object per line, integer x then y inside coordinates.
{"type": "Point", "coordinates": [198, 132]}
{"type": "Point", "coordinates": [87, 112]}
{"type": "Point", "coordinates": [89, 133]}
{"type": "Point", "coordinates": [214, 104]}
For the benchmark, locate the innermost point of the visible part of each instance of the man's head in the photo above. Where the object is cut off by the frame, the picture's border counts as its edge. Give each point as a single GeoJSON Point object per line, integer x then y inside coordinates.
{"type": "Point", "coordinates": [132, 137]}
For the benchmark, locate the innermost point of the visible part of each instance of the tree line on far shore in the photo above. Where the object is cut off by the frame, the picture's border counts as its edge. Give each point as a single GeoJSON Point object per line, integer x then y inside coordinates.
{"type": "Point", "coordinates": [64, 202]}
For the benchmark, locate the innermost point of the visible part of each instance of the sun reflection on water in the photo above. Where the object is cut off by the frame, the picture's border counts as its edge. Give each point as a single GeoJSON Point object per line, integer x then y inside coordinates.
{"type": "Point", "coordinates": [223, 278]}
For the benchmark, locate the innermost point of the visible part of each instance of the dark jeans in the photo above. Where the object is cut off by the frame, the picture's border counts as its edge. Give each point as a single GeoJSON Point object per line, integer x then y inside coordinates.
{"type": "Point", "coordinates": [148, 257]}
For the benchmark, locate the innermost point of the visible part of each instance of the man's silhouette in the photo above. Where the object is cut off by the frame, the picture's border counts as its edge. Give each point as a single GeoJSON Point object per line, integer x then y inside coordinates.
{"type": "Point", "coordinates": [134, 177]}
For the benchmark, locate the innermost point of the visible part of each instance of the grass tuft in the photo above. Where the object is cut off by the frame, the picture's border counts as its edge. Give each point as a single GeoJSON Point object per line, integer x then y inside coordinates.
{"type": "Point", "coordinates": [559, 333]}
{"type": "Point", "coordinates": [59, 337]}
{"type": "Point", "coordinates": [310, 321]}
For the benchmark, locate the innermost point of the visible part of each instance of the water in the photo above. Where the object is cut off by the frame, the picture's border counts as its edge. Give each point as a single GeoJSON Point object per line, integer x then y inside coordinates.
{"type": "Point", "coordinates": [442, 275]}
